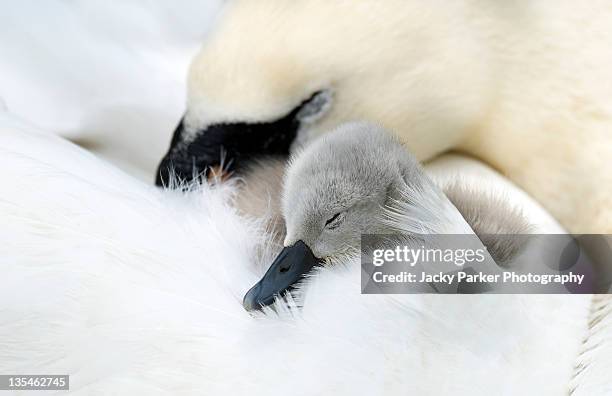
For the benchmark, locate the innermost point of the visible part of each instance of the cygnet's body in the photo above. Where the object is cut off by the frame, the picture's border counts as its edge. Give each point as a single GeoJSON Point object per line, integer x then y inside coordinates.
{"type": "Point", "coordinates": [359, 180]}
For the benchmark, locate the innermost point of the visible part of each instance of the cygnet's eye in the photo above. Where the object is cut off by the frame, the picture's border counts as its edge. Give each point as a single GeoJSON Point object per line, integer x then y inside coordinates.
{"type": "Point", "coordinates": [334, 221]}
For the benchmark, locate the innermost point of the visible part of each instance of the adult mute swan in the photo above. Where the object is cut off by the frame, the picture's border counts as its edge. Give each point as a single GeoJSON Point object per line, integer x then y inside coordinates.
{"type": "Point", "coordinates": [522, 86]}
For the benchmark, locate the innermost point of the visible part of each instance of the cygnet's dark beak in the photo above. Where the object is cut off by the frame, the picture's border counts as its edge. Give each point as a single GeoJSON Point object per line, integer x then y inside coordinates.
{"type": "Point", "coordinates": [289, 267]}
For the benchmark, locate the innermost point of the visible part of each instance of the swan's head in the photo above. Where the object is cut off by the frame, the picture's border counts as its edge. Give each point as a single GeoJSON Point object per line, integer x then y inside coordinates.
{"type": "Point", "coordinates": [335, 191]}
{"type": "Point", "coordinates": [273, 71]}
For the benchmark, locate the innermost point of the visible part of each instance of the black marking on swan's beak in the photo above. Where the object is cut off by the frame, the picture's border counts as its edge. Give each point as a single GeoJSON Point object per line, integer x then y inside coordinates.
{"type": "Point", "coordinates": [229, 147]}
{"type": "Point", "coordinates": [175, 163]}
{"type": "Point", "coordinates": [290, 266]}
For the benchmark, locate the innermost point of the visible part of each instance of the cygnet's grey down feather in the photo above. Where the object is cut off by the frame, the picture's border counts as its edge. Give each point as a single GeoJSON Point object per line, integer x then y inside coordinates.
{"type": "Point", "coordinates": [362, 162]}
{"type": "Point", "coordinates": [501, 227]}
{"type": "Point", "coordinates": [359, 179]}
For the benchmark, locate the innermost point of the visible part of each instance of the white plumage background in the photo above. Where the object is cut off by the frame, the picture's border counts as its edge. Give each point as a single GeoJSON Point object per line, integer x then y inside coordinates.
{"type": "Point", "coordinates": [110, 75]}
{"type": "Point", "coordinates": [136, 291]}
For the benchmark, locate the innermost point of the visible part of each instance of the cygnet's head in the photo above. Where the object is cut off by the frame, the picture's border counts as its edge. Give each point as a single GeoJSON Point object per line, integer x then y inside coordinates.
{"type": "Point", "coordinates": [335, 190]}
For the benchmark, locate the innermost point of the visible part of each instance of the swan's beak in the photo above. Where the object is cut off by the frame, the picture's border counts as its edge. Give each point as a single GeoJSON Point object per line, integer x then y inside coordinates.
{"type": "Point", "coordinates": [289, 267]}
{"type": "Point", "coordinates": [197, 160]}
{"type": "Point", "coordinates": [220, 150]}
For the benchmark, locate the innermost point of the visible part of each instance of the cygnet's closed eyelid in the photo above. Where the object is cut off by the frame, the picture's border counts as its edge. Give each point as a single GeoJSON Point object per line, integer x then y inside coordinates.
{"type": "Point", "coordinates": [331, 220]}
{"type": "Point", "coordinates": [334, 221]}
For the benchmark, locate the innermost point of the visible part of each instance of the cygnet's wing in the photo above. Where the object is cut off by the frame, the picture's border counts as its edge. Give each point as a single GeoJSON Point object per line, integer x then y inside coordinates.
{"type": "Point", "coordinates": [422, 208]}
{"type": "Point", "coordinates": [501, 226]}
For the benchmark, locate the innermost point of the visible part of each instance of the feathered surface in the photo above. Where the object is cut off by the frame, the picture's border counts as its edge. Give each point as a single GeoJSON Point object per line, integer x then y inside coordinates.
{"type": "Point", "coordinates": [132, 290]}
{"type": "Point", "coordinates": [523, 86]}
{"type": "Point", "coordinates": [113, 282]}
